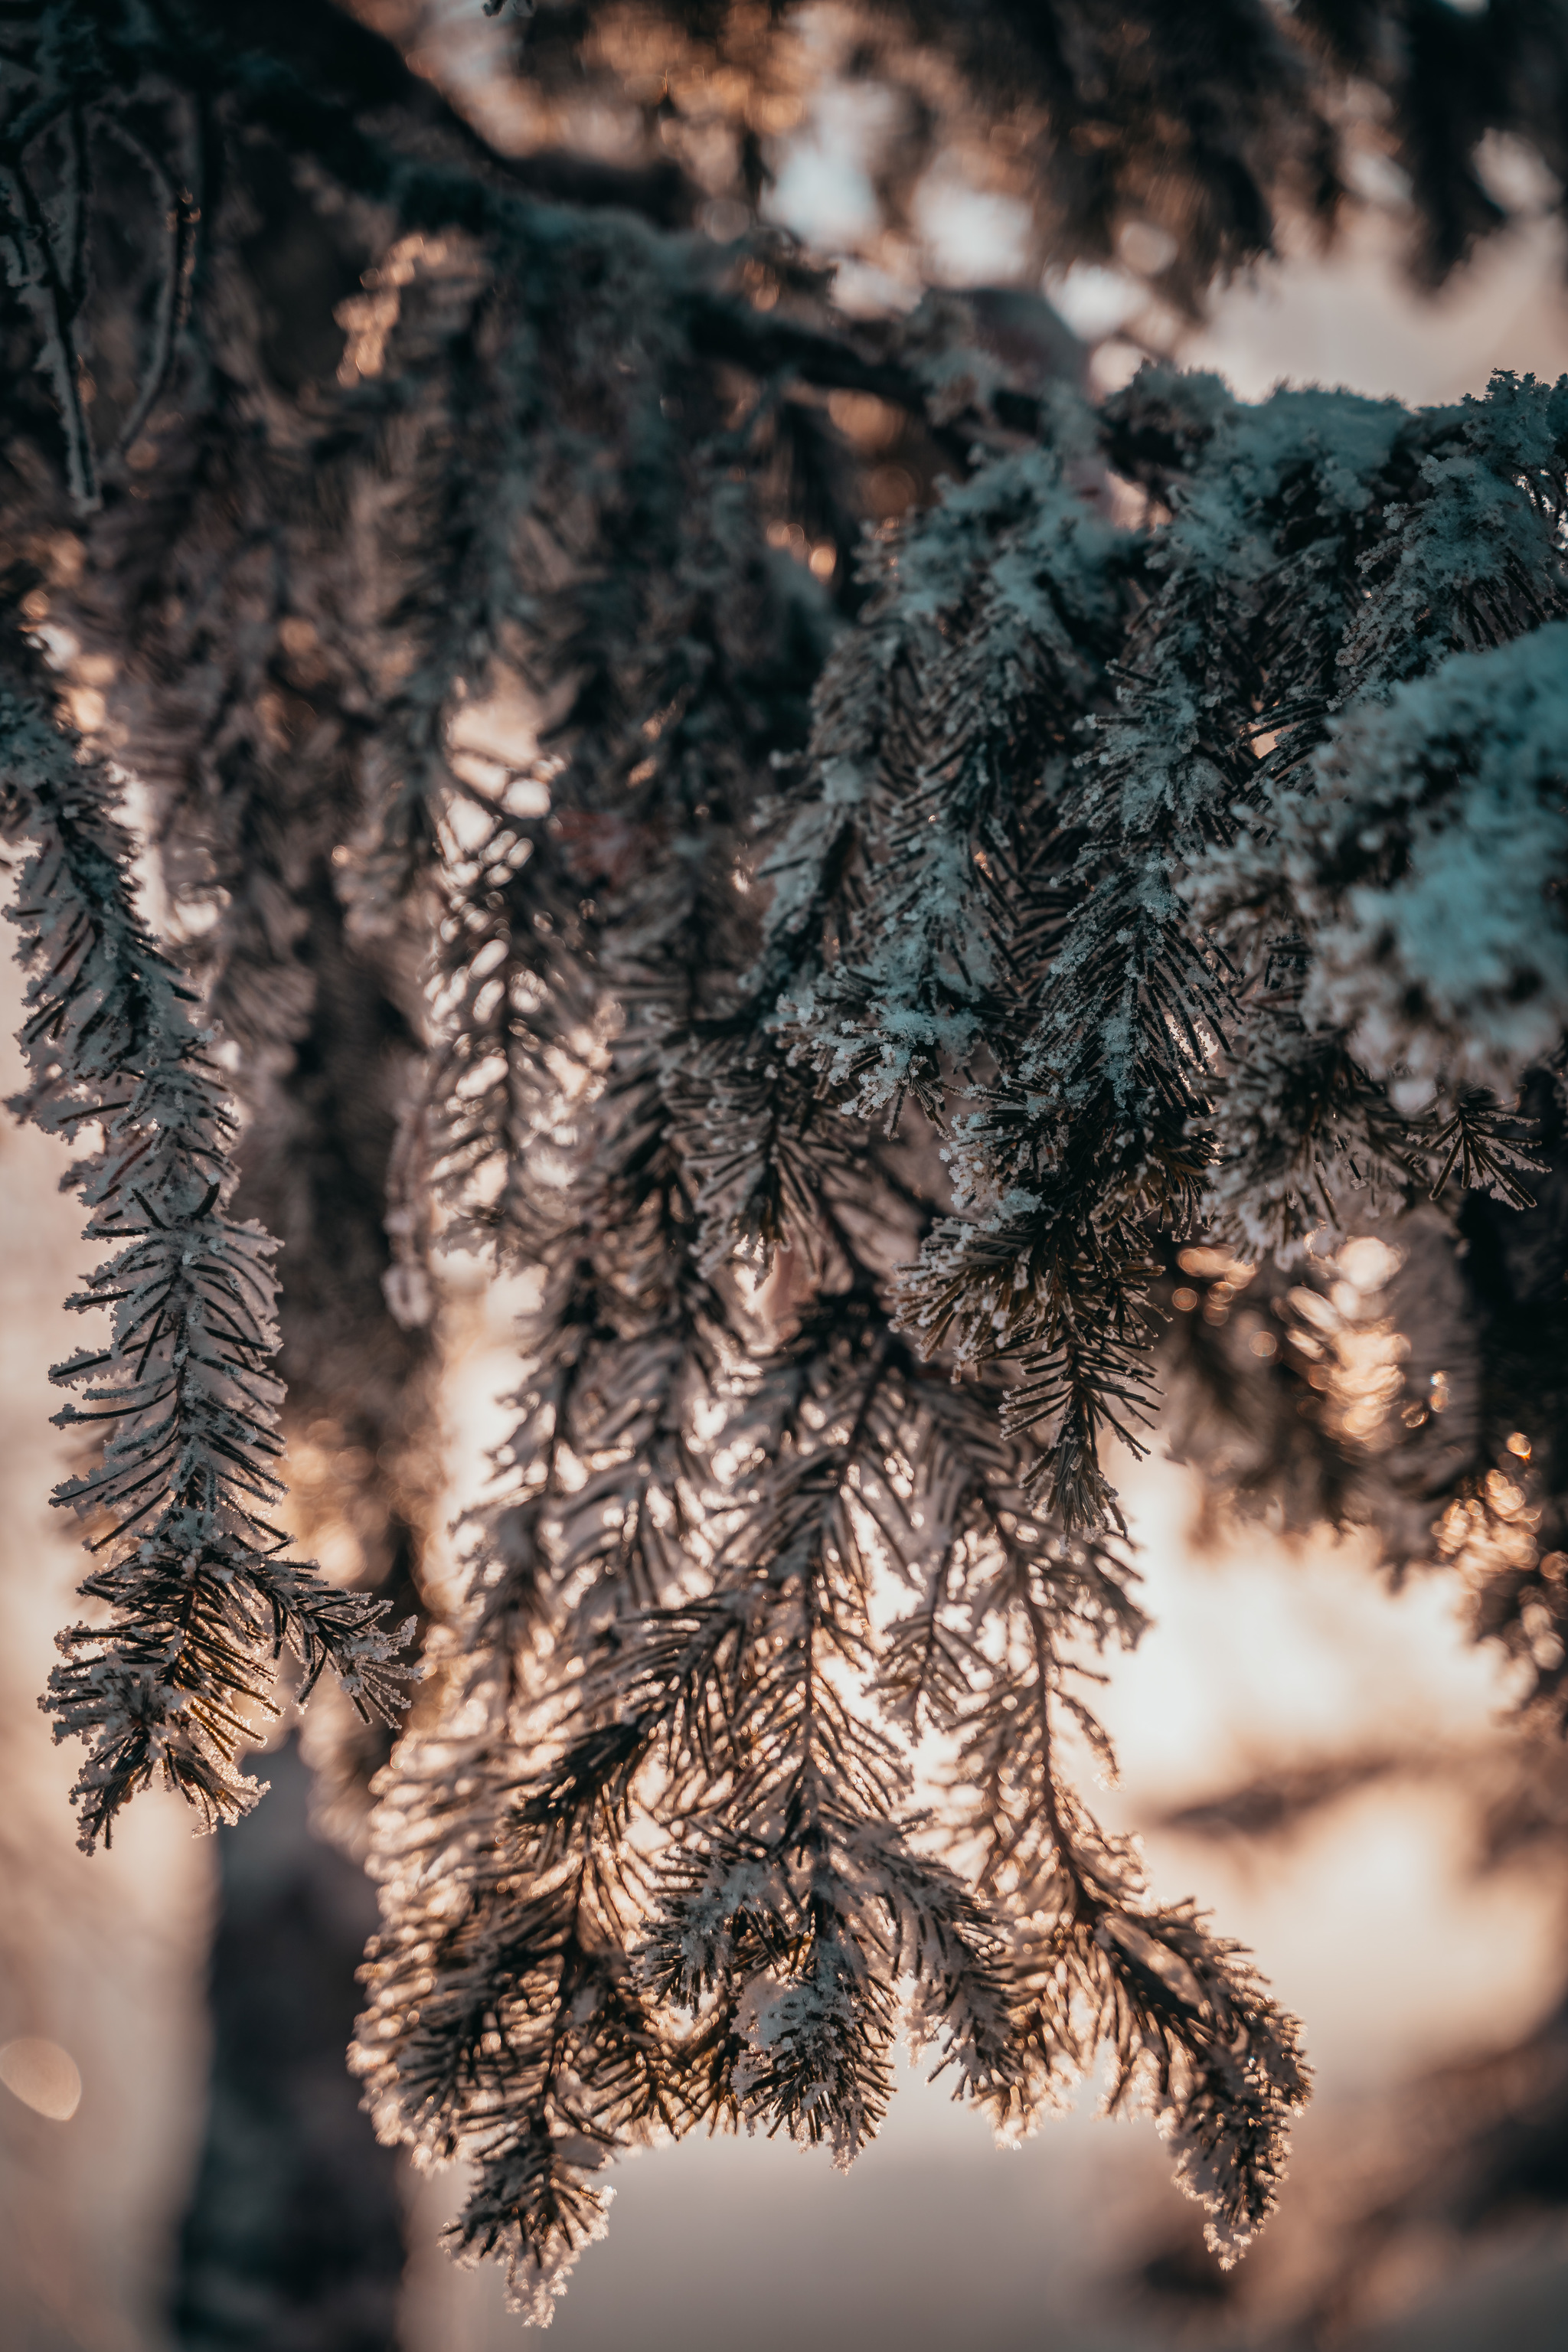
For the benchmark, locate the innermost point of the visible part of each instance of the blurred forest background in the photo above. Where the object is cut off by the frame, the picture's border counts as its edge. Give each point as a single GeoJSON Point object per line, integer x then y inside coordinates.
{"type": "Point", "coordinates": [1326, 1761]}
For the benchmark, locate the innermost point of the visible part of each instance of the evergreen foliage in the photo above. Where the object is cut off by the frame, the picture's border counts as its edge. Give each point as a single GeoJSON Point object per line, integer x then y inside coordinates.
{"type": "Point", "coordinates": [1214, 124]}
{"type": "Point", "coordinates": [200, 1599]}
{"type": "Point", "coordinates": [1141, 853]}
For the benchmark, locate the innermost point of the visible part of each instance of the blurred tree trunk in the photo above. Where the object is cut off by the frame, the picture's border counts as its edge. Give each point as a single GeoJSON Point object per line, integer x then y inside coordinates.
{"type": "Point", "coordinates": [293, 2241]}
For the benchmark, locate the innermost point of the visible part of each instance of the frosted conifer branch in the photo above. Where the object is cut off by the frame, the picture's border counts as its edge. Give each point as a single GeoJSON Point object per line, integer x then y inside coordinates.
{"type": "Point", "coordinates": [201, 1601]}
{"type": "Point", "coordinates": [1005, 932]}
{"type": "Point", "coordinates": [976, 931]}
{"type": "Point", "coordinates": [503, 2024]}
{"type": "Point", "coordinates": [1091, 1962]}
{"type": "Point", "coordinates": [1435, 816]}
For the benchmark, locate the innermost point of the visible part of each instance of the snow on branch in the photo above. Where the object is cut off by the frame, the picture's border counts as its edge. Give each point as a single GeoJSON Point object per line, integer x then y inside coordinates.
{"type": "Point", "coordinates": [198, 1598]}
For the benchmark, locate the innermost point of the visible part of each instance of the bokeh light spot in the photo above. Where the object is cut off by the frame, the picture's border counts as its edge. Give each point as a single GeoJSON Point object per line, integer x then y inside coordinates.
{"type": "Point", "coordinates": [43, 2076]}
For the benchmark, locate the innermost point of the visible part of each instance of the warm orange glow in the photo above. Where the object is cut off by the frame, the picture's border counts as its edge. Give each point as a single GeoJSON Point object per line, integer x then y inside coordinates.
{"type": "Point", "coordinates": [43, 2076]}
